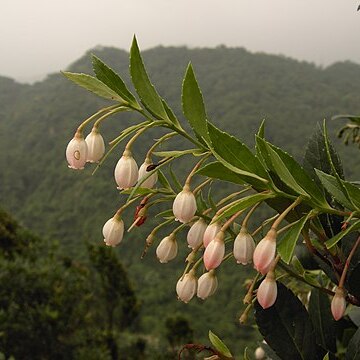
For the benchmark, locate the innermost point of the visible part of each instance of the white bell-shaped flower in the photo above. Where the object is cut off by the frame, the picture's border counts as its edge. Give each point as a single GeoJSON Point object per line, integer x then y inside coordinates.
{"type": "Point", "coordinates": [215, 251]}
{"type": "Point", "coordinates": [151, 180]}
{"type": "Point", "coordinates": [207, 285]}
{"type": "Point", "coordinates": [211, 232]}
{"type": "Point", "coordinates": [196, 233]}
{"type": "Point", "coordinates": [184, 206]}
{"type": "Point", "coordinates": [265, 251]}
{"type": "Point", "coordinates": [244, 246]}
{"type": "Point", "coordinates": [338, 304]}
{"type": "Point", "coordinates": [126, 171]}
{"type": "Point", "coordinates": [267, 292]}
{"type": "Point", "coordinates": [113, 231]}
{"type": "Point", "coordinates": [76, 152]}
{"type": "Point", "coordinates": [259, 353]}
{"type": "Point", "coordinates": [95, 146]}
{"type": "Point", "coordinates": [186, 287]}
{"type": "Point", "coordinates": [167, 249]}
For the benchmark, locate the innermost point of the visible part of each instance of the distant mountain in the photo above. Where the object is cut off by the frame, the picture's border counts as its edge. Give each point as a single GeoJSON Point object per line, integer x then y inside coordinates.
{"type": "Point", "coordinates": [240, 89]}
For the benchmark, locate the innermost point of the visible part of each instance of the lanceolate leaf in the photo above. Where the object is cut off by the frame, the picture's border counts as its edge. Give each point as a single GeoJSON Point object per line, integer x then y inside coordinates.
{"type": "Point", "coordinates": [109, 77]}
{"type": "Point", "coordinates": [219, 345]}
{"type": "Point", "coordinates": [334, 240]}
{"type": "Point", "coordinates": [287, 328]}
{"type": "Point", "coordinates": [145, 89]}
{"type": "Point", "coordinates": [331, 185]}
{"type": "Point", "coordinates": [288, 241]}
{"type": "Point", "coordinates": [193, 105]}
{"type": "Point", "coordinates": [244, 203]}
{"type": "Point", "coordinates": [177, 153]}
{"type": "Point", "coordinates": [237, 157]}
{"type": "Point", "coordinates": [320, 315]}
{"type": "Point", "coordinates": [216, 170]}
{"type": "Point", "coordinates": [94, 85]}
{"type": "Point", "coordinates": [353, 350]}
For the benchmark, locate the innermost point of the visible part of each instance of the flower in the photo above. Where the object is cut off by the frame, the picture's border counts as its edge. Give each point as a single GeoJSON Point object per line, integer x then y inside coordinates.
{"type": "Point", "coordinates": [151, 180]}
{"type": "Point", "coordinates": [244, 247]}
{"type": "Point", "coordinates": [264, 252]}
{"type": "Point", "coordinates": [215, 251]}
{"type": "Point", "coordinates": [126, 171]}
{"type": "Point", "coordinates": [76, 152]}
{"type": "Point", "coordinates": [207, 285]}
{"type": "Point", "coordinates": [259, 353]}
{"type": "Point", "coordinates": [338, 304]}
{"type": "Point", "coordinates": [196, 234]}
{"type": "Point", "coordinates": [113, 231]}
{"type": "Point", "coordinates": [267, 291]}
{"type": "Point", "coordinates": [95, 145]}
{"type": "Point", "coordinates": [211, 232]}
{"type": "Point", "coordinates": [184, 206]}
{"type": "Point", "coordinates": [186, 286]}
{"type": "Point", "coordinates": [167, 249]}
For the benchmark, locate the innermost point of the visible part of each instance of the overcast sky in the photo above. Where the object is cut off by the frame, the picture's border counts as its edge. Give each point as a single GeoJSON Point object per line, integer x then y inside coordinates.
{"type": "Point", "coordinates": [43, 36]}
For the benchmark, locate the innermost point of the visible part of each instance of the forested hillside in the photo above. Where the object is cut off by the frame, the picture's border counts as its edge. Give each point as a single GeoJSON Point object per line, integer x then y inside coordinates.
{"type": "Point", "coordinates": [240, 89]}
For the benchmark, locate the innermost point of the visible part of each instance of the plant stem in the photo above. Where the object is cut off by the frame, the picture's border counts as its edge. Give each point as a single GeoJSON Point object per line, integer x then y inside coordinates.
{"type": "Point", "coordinates": [193, 171]}
{"type": "Point", "coordinates": [158, 142]}
{"type": "Point", "coordinates": [112, 112]}
{"type": "Point", "coordinates": [285, 212]}
{"type": "Point", "coordinates": [248, 215]}
{"type": "Point", "coordinates": [347, 263]}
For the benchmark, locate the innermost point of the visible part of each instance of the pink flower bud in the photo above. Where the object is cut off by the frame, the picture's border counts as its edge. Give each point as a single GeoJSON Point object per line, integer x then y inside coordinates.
{"type": "Point", "coordinates": [264, 252]}
{"type": "Point", "coordinates": [267, 291]}
{"type": "Point", "coordinates": [244, 247]}
{"type": "Point", "coordinates": [210, 233]}
{"type": "Point", "coordinates": [95, 145]}
{"type": "Point", "coordinates": [207, 285]}
{"type": "Point", "coordinates": [113, 231]}
{"type": "Point", "coordinates": [338, 304]}
{"type": "Point", "coordinates": [259, 353]}
{"type": "Point", "coordinates": [151, 180]}
{"type": "Point", "coordinates": [196, 233]}
{"type": "Point", "coordinates": [126, 171]}
{"type": "Point", "coordinates": [76, 152]}
{"type": "Point", "coordinates": [167, 249]}
{"type": "Point", "coordinates": [215, 251]}
{"type": "Point", "coordinates": [186, 287]}
{"type": "Point", "coordinates": [184, 206]}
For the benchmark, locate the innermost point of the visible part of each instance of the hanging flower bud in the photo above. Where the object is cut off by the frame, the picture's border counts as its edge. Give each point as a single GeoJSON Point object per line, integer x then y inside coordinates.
{"type": "Point", "coordinates": [338, 304]}
{"type": "Point", "coordinates": [264, 252]}
{"type": "Point", "coordinates": [95, 146]}
{"type": "Point", "coordinates": [184, 206]}
{"type": "Point", "coordinates": [126, 171]}
{"type": "Point", "coordinates": [215, 251]}
{"type": "Point", "coordinates": [186, 287]}
{"type": "Point", "coordinates": [113, 231]}
{"type": "Point", "coordinates": [196, 233]}
{"type": "Point", "coordinates": [76, 152]}
{"type": "Point", "coordinates": [267, 291]}
{"type": "Point", "coordinates": [259, 353]}
{"type": "Point", "coordinates": [167, 249]}
{"type": "Point", "coordinates": [151, 180]}
{"type": "Point", "coordinates": [244, 246]}
{"type": "Point", "coordinates": [207, 285]}
{"type": "Point", "coordinates": [210, 233]}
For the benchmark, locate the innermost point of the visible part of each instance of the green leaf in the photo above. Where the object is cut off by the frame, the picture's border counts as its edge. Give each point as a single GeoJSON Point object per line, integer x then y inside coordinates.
{"type": "Point", "coordinates": [287, 328]}
{"type": "Point", "coordinates": [353, 118]}
{"type": "Point", "coordinates": [244, 203]}
{"type": "Point", "coordinates": [93, 85]}
{"type": "Point", "coordinates": [287, 242]}
{"type": "Point", "coordinates": [269, 351]}
{"type": "Point", "coordinates": [354, 193]}
{"type": "Point", "coordinates": [193, 105]}
{"type": "Point", "coordinates": [236, 156]}
{"type": "Point", "coordinates": [219, 345]}
{"type": "Point", "coordinates": [145, 89]}
{"type": "Point", "coordinates": [334, 240]}
{"type": "Point", "coordinates": [217, 170]}
{"type": "Point", "coordinates": [246, 357]}
{"type": "Point", "coordinates": [320, 315]}
{"type": "Point", "coordinates": [353, 349]}
{"type": "Point", "coordinates": [176, 182]}
{"type": "Point", "coordinates": [331, 185]}
{"type": "Point", "coordinates": [109, 77]}
{"type": "Point", "coordinates": [261, 131]}
{"type": "Point", "coordinates": [164, 181]}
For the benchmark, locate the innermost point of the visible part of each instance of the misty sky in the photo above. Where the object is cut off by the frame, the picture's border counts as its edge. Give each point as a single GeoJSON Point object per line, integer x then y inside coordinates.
{"type": "Point", "coordinates": [42, 36]}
